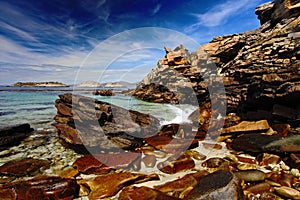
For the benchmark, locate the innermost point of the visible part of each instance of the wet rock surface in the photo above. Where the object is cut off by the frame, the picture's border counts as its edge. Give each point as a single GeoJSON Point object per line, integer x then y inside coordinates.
{"type": "Point", "coordinates": [218, 185]}
{"type": "Point", "coordinates": [12, 135]}
{"type": "Point", "coordinates": [129, 155]}
{"type": "Point", "coordinates": [22, 167]}
{"type": "Point", "coordinates": [40, 188]}
{"type": "Point", "coordinates": [97, 124]}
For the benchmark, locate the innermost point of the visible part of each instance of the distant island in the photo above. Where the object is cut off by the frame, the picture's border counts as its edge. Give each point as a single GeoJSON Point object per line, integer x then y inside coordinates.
{"type": "Point", "coordinates": [89, 84]}
{"type": "Point", "coordinates": [40, 84]}
{"type": "Point", "coordinates": [120, 84]}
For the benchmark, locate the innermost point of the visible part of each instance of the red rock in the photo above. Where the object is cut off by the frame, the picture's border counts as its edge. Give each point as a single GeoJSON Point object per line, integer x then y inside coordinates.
{"type": "Point", "coordinates": [110, 185]}
{"type": "Point", "coordinates": [173, 165]}
{"type": "Point", "coordinates": [103, 163]}
{"type": "Point", "coordinates": [247, 126]}
{"type": "Point", "coordinates": [266, 159]}
{"type": "Point", "coordinates": [64, 110]}
{"type": "Point", "coordinates": [171, 145]}
{"type": "Point", "coordinates": [259, 188]}
{"type": "Point", "coordinates": [182, 186]}
{"type": "Point", "coordinates": [281, 129]}
{"type": "Point", "coordinates": [43, 187]}
{"type": "Point", "coordinates": [246, 160]}
{"type": "Point", "coordinates": [68, 133]}
{"type": "Point", "coordinates": [282, 178]}
{"type": "Point", "coordinates": [143, 193]}
{"type": "Point", "coordinates": [22, 167]}
{"type": "Point", "coordinates": [294, 160]}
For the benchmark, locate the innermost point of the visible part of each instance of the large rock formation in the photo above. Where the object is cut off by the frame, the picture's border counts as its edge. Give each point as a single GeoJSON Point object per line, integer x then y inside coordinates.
{"type": "Point", "coordinates": [259, 69]}
{"type": "Point", "coordinates": [92, 123]}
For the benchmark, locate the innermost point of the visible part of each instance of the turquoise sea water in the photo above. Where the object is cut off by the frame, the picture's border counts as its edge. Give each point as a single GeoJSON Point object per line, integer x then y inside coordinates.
{"type": "Point", "coordinates": [37, 106]}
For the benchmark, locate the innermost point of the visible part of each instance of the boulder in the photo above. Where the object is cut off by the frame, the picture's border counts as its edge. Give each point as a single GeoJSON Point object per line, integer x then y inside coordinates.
{"type": "Point", "coordinates": [267, 143]}
{"type": "Point", "coordinates": [23, 167]}
{"type": "Point", "coordinates": [217, 185]}
{"type": "Point", "coordinates": [12, 135]}
{"type": "Point", "coordinates": [98, 125]}
{"type": "Point", "coordinates": [42, 187]}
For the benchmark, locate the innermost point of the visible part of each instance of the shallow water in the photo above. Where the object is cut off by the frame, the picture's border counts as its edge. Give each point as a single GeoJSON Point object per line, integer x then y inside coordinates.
{"type": "Point", "coordinates": [37, 107]}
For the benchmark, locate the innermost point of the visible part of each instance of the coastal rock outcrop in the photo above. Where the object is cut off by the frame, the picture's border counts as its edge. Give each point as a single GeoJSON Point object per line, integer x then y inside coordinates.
{"type": "Point", "coordinates": [258, 69]}
{"type": "Point", "coordinates": [92, 123]}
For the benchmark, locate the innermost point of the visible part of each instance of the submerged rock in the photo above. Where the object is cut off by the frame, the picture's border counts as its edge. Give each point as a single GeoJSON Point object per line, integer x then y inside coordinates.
{"type": "Point", "coordinates": [42, 187]}
{"type": "Point", "coordinates": [12, 135]}
{"type": "Point", "coordinates": [22, 167]}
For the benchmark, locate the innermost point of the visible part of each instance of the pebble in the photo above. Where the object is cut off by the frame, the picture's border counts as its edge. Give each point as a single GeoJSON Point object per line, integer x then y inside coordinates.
{"type": "Point", "coordinates": [295, 172]}
{"type": "Point", "coordinates": [251, 175]}
{"type": "Point", "coordinates": [284, 166]}
{"type": "Point", "coordinates": [288, 192]}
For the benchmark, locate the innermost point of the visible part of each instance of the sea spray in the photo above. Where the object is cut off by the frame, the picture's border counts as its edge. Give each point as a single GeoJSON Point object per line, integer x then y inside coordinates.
{"type": "Point", "coordinates": [182, 112]}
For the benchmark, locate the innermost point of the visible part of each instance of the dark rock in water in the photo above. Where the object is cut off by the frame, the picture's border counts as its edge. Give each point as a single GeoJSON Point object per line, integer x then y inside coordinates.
{"type": "Point", "coordinates": [104, 93]}
{"type": "Point", "coordinates": [22, 167]}
{"type": "Point", "coordinates": [156, 93]}
{"type": "Point", "coordinates": [95, 124]}
{"type": "Point", "coordinates": [218, 185]}
{"type": "Point", "coordinates": [12, 135]}
{"type": "Point", "coordinates": [267, 143]}
{"type": "Point", "coordinates": [253, 142]}
{"type": "Point", "coordinates": [43, 187]}
{"type": "Point", "coordinates": [143, 193]}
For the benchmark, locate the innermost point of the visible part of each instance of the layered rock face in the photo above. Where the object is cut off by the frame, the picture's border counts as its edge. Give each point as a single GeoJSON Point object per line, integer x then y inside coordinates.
{"type": "Point", "coordinates": [259, 68]}
{"type": "Point", "coordinates": [86, 121]}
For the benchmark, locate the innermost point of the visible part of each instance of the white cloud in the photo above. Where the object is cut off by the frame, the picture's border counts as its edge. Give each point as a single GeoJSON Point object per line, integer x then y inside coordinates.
{"type": "Point", "coordinates": [156, 9]}
{"type": "Point", "coordinates": [117, 55]}
{"type": "Point", "coordinates": [220, 13]}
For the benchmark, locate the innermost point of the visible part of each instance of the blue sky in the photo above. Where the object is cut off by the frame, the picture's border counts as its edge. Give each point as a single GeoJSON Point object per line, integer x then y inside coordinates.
{"type": "Point", "coordinates": [108, 40]}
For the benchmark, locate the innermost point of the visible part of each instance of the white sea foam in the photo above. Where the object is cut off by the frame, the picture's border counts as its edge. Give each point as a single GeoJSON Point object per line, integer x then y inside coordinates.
{"type": "Point", "coordinates": [182, 112]}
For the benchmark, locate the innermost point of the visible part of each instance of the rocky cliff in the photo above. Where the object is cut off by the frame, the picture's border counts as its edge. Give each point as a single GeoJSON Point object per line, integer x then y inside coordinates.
{"type": "Point", "coordinates": [259, 69]}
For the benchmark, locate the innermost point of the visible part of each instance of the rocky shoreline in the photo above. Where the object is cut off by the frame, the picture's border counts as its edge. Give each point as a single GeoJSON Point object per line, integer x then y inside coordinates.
{"type": "Point", "coordinates": [252, 151]}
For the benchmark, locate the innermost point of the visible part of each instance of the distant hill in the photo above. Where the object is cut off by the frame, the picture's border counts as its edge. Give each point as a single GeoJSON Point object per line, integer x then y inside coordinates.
{"type": "Point", "coordinates": [39, 84]}
{"type": "Point", "coordinates": [89, 84]}
{"type": "Point", "coordinates": [120, 84]}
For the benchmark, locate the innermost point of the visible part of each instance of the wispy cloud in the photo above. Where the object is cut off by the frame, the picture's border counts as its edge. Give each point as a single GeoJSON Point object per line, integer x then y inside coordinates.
{"type": "Point", "coordinates": [220, 13]}
{"type": "Point", "coordinates": [156, 9]}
